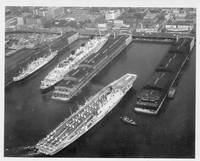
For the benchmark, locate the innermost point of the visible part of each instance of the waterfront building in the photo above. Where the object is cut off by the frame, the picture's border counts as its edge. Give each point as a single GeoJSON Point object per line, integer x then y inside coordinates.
{"type": "Point", "coordinates": [151, 29]}
{"type": "Point", "coordinates": [180, 26]}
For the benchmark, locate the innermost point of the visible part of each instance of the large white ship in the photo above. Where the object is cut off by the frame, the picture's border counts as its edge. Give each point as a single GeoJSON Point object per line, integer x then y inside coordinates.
{"type": "Point", "coordinates": [86, 117]}
{"type": "Point", "coordinates": [35, 66]}
{"type": "Point", "coordinates": [73, 61]}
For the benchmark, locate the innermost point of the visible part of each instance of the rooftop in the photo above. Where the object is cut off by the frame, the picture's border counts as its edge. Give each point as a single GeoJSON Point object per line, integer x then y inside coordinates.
{"type": "Point", "coordinates": [160, 80]}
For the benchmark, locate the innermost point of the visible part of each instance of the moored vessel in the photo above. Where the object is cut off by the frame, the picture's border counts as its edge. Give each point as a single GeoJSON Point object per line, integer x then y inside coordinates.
{"type": "Point", "coordinates": [87, 116]}
{"type": "Point", "coordinates": [35, 66]}
{"type": "Point", "coordinates": [73, 61]}
{"type": "Point", "coordinates": [72, 84]}
{"type": "Point", "coordinates": [128, 120]}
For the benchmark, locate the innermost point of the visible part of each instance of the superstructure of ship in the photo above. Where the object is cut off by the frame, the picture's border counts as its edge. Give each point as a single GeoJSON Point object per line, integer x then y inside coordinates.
{"type": "Point", "coordinates": [78, 78]}
{"type": "Point", "coordinates": [35, 65]}
{"type": "Point", "coordinates": [86, 117]}
{"type": "Point", "coordinates": [128, 120]}
{"type": "Point", "coordinates": [73, 61]}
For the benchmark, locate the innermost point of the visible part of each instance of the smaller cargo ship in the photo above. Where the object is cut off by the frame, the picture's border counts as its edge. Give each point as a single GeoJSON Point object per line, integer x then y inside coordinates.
{"type": "Point", "coordinates": [35, 66]}
{"type": "Point", "coordinates": [128, 120]}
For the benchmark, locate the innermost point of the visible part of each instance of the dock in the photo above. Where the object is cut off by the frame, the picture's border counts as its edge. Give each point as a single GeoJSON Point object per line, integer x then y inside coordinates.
{"type": "Point", "coordinates": [153, 94]}
{"type": "Point", "coordinates": [78, 78]}
{"type": "Point", "coordinates": [24, 56]}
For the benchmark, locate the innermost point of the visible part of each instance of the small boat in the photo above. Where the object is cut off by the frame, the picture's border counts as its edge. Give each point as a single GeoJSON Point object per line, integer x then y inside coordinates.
{"type": "Point", "coordinates": [128, 120]}
{"type": "Point", "coordinates": [171, 92]}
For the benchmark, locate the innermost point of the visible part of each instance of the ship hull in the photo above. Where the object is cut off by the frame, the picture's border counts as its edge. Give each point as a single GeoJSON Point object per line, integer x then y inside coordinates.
{"type": "Point", "coordinates": [45, 89]}
{"type": "Point", "coordinates": [97, 68]}
{"type": "Point", "coordinates": [78, 136]}
{"type": "Point", "coordinates": [36, 71]}
{"type": "Point", "coordinates": [109, 97]}
{"type": "Point", "coordinates": [95, 50]}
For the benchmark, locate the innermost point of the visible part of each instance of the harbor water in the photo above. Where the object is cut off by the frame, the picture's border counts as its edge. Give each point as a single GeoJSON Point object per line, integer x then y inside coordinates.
{"type": "Point", "coordinates": [31, 115]}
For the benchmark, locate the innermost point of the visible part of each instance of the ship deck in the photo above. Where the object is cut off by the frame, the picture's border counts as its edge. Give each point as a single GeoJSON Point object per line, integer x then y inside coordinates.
{"type": "Point", "coordinates": [70, 126]}
{"type": "Point", "coordinates": [85, 117]}
{"type": "Point", "coordinates": [24, 56]}
{"type": "Point", "coordinates": [75, 78]}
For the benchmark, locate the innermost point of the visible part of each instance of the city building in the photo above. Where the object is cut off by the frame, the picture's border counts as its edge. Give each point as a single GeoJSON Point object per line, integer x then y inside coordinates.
{"type": "Point", "coordinates": [14, 22]}
{"type": "Point", "coordinates": [54, 12]}
{"type": "Point", "coordinates": [112, 14]}
{"type": "Point", "coordinates": [181, 16]}
{"type": "Point", "coordinates": [20, 21]}
{"type": "Point", "coordinates": [43, 12]}
{"type": "Point", "coordinates": [168, 16]}
{"type": "Point", "coordinates": [151, 29]}
{"type": "Point", "coordinates": [30, 20]}
{"type": "Point", "coordinates": [11, 22]}
{"type": "Point", "coordinates": [150, 17]}
{"type": "Point", "coordinates": [118, 23]}
{"type": "Point", "coordinates": [79, 10]}
{"type": "Point", "coordinates": [179, 26]}
{"type": "Point", "coordinates": [91, 26]}
{"type": "Point", "coordinates": [175, 11]}
{"type": "Point", "coordinates": [102, 26]}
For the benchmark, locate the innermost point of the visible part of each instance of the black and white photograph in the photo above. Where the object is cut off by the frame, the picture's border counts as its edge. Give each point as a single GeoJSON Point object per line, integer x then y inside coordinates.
{"type": "Point", "coordinates": [99, 81]}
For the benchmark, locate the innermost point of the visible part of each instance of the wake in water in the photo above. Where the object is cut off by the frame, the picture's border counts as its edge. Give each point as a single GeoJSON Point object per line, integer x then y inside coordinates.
{"type": "Point", "coordinates": [24, 151]}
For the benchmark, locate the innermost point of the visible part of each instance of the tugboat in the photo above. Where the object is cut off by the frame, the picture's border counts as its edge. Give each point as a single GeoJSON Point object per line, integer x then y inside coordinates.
{"type": "Point", "coordinates": [171, 92]}
{"type": "Point", "coordinates": [128, 120]}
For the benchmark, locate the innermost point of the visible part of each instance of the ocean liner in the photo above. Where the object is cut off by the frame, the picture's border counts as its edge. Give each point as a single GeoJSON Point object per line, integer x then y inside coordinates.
{"type": "Point", "coordinates": [35, 66]}
{"type": "Point", "coordinates": [86, 117]}
{"type": "Point", "coordinates": [73, 61]}
{"type": "Point", "coordinates": [72, 84]}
